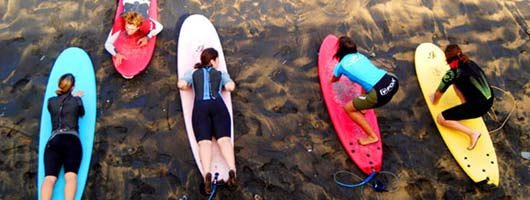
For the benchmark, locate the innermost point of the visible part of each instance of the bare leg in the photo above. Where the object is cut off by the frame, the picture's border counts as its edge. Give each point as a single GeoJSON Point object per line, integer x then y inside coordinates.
{"type": "Point", "coordinates": [205, 153]}
{"type": "Point", "coordinates": [228, 151]}
{"type": "Point", "coordinates": [46, 189]}
{"type": "Point", "coordinates": [473, 135]}
{"type": "Point", "coordinates": [358, 117]}
{"type": "Point", "coordinates": [70, 186]}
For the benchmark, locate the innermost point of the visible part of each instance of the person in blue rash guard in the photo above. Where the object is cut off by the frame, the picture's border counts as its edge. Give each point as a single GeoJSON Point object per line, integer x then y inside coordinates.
{"type": "Point", "coordinates": [471, 87]}
{"type": "Point", "coordinates": [210, 117]}
{"type": "Point", "coordinates": [379, 84]}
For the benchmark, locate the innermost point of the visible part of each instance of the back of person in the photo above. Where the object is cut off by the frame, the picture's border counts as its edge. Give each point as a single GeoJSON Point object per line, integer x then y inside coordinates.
{"type": "Point", "coordinates": [65, 111]}
{"type": "Point", "coordinates": [207, 83]}
{"type": "Point", "coordinates": [472, 82]}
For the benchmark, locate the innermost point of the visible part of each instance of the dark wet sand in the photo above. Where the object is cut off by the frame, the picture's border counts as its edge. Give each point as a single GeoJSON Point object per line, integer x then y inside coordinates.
{"type": "Point", "coordinates": [286, 146]}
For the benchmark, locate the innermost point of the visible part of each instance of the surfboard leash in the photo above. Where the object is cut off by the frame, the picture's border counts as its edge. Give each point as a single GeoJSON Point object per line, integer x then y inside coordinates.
{"type": "Point", "coordinates": [509, 114]}
{"type": "Point", "coordinates": [377, 186]}
{"type": "Point", "coordinates": [214, 187]}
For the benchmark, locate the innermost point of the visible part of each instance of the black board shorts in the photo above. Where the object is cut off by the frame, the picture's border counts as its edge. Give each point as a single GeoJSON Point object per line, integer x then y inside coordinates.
{"type": "Point", "coordinates": [380, 95]}
{"type": "Point", "coordinates": [468, 110]}
{"type": "Point", "coordinates": [63, 150]}
{"type": "Point", "coordinates": [210, 118]}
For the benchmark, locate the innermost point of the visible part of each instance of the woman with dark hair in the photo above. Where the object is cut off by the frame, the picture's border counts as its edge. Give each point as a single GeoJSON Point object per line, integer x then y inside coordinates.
{"type": "Point", "coordinates": [210, 117]}
{"type": "Point", "coordinates": [471, 87]}
{"type": "Point", "coordinates": [63, 147]}
{"type": "Point", "coordinates": [380, 85]}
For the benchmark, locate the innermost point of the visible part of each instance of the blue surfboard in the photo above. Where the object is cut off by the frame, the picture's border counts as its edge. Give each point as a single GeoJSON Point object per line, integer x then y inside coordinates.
{"type": "Point", "coordinates": [76, 61]}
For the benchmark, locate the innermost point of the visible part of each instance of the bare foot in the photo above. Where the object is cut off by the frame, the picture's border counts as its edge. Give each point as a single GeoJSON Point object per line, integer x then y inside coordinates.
{"type": "Point", "coordinates": [367, 140]}
{"type": "Point", "coordinates": [474, 140]}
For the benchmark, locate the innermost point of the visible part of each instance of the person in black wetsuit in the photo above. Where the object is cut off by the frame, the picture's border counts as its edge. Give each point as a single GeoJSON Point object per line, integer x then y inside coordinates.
{"type": "Point", "coordinates": [63, 147]}
{"type": "Point", "coordinates": [210, 116]}
{"type": "Point", "coordinates": [471, 86]}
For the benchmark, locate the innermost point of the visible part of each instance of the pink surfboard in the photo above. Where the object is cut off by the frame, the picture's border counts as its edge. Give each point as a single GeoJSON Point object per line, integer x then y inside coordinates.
{"type": "Point", "coordinates": [137, 57]}
{"type": "Point", "coordinates": [368, 158]}
{"type": "Point", "coordinates": [198, 33]}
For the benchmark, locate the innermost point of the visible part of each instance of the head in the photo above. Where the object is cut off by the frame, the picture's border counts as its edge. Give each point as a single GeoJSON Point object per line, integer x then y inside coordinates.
{"type": "Point", "coordinates": [66, 84]}
{"type": "Point", "coordinates": [208, 58]}
{"type": "Point", "coordinates": [346, 46]}
{"type": "Point", "coordinates": [454, 55]}
{"type": "Point", "coordinates": [133, 21]}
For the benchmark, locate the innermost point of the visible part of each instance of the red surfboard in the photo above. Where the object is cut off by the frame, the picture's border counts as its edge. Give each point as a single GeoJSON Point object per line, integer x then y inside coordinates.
{"type": "Point", "coordinates": [137, 57]}
{"type": "Point", "coordinates": [368, 158]}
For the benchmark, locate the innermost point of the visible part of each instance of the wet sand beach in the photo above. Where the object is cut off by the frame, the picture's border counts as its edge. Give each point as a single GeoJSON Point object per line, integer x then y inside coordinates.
{"type": "Point", "coordinates": [285, 143]}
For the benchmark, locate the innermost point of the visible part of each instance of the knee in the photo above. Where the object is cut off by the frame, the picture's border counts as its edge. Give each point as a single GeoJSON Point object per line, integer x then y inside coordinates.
{"type": "Point", "coordinates": [440, 119]}
{"type": "Point", "coordinates": [348, 107]}
{"type": "Point", "coordinates": [70, 177]}
{"type": "Point", "coordinates": [50, 179]}
{"type": "Point", "coordinates": [224, 140]}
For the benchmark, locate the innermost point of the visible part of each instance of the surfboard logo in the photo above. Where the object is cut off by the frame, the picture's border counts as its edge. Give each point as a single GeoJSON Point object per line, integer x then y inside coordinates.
{"type": "Point", "coordinates": [431, 55]}
{"type": "Point", "coordinates": [199, 48]}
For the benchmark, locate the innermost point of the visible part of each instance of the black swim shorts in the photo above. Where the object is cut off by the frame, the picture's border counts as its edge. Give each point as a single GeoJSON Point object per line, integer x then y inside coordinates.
{"type": "Point", "coordinates": [210, 118]}
{"type": "Point", "coordinates": [468, 110]}
{"type": "Point", "coordinates": [63, 149]}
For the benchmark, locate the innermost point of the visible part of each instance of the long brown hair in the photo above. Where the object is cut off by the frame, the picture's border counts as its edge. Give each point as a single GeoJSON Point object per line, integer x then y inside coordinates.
{"type": "Point", "coordinates": [453, 52]}
{"type": "Point", "coordinates": [346, 46]}
{"type": "Point", "coordinates": [207, 55]}
{"type": "Point", "coordinates": [66, 84]}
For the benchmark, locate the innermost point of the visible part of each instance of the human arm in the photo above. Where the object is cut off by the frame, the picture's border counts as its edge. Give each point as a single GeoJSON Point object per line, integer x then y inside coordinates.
{"type": "Point", "coordinates": [109, 46]}
{"type": "Point", "coordinates": [185, 81]}
{"type": "Point", "coordinates": [227, 82]}
{"type": "Point", "coordinates": [446, 81]}
{"type": "Point", "coordinates": [334, 79]}
{"type": "Point", "coordinates": [337, 73]}
{"type": "Point", "coordinates": [155, 28]}
{"type": "Point", "coordinates": [435, 97]}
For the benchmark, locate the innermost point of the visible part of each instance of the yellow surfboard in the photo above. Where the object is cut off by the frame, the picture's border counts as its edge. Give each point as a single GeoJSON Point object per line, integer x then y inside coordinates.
{"type": "Point", "coordinates": [480, 164]}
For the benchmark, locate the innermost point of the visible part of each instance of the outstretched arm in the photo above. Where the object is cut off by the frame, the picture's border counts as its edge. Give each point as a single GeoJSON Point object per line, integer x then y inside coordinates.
{"type": "Point", "coordinates": [230, 86]}
{"type": "Point", "coordinates": [435, 97]}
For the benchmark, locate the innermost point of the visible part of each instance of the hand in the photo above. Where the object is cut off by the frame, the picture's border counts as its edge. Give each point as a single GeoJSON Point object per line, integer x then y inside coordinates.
{"type": "Point", "coordinates": [431, 97]}
{"type": "Point", "coordinates": [79, 93]}
{"type": "Point", "coordinates": [119, 58]}
{"type": "Point", "coordinates": [182, 84]}
{"type": "Point", "coordinates": [142, 41]}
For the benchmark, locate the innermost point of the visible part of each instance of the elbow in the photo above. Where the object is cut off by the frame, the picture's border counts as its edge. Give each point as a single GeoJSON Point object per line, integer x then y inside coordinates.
{"type": "Point", "coordinates": [230, 86]}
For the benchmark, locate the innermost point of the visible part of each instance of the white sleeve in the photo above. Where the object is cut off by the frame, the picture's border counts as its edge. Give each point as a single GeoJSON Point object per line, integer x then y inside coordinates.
{"type": "Point", "coordinates": [109, 44]}
{"type": "Point", "coordinates": [158, 28]}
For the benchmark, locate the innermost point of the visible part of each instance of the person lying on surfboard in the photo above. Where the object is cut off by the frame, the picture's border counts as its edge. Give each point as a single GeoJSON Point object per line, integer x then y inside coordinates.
{"type": "Point", "coordinates": [471, 87]}
{"type": "Point", "coordinates": [380, 84]}
{"type": "Point", "coordinates": [135, 24]}
{"type": "Point", "coordinates": [63, 147]}
{"type": "Point", "coordinates": [207, 83]}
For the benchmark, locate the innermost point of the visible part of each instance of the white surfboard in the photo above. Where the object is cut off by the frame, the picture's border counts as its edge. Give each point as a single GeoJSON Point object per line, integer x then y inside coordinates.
{"type": "Point", "coordinates": [198, 33]}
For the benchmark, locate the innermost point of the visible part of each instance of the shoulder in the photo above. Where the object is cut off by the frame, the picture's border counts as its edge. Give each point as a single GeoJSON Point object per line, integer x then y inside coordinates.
{"type": "Point", "coordinates": [52, 99]}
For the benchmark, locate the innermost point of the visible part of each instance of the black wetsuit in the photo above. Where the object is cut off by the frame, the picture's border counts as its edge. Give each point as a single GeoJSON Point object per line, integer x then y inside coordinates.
{"type": "Point", "coordinates": [64, 146]}
{"type": "Point", "coordinates": [472, 83]}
